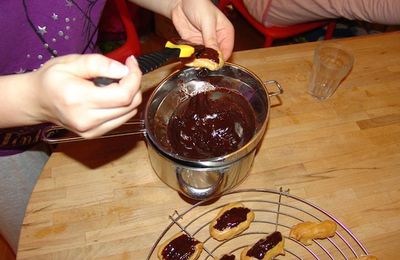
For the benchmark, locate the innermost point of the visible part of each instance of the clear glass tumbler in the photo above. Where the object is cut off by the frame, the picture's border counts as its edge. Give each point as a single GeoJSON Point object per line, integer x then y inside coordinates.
{"type": "Point", "coordinates": [332, 63]}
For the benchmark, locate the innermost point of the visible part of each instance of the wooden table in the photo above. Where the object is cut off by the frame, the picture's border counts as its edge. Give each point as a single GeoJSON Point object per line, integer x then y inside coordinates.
{"type": "Point", "coordinates": [101, 198]}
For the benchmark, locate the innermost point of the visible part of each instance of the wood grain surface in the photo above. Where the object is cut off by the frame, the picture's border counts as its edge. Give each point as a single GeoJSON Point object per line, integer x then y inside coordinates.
{"type": "Point", "coordinates": [101, 198]}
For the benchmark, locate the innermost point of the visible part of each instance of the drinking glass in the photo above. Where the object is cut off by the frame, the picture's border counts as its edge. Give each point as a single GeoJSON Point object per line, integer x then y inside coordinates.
{"type": "Point", "coordinates": [332, 63]}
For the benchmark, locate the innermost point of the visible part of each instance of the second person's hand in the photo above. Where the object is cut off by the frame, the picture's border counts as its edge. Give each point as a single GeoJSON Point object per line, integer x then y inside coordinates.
{"type": "Point", "coordinates": [200, 21]}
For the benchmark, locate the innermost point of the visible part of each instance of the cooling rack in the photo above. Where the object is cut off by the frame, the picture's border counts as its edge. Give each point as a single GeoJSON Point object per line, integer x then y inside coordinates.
{"type": "Point", "coordinates": [274, 211]}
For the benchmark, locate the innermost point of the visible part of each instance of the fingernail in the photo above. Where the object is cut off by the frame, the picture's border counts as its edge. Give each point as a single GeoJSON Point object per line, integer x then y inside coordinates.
{"type": "Point", "coordinates": [118, 68]}
{"type": "Point", "coordinates": [133, 59]}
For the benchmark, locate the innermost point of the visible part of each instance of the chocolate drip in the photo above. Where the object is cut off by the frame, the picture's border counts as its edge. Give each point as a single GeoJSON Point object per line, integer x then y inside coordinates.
{"type": "Point", "coordinates": [181, 248]}
{"type": "Point", "coordinates": [259, 250]}
{"type": "Point", "coordinates": [210, 124]}
{"type": "Point", "coordinates": [231, 218]}
{"type": "Point", "coordinates": [227, 257]}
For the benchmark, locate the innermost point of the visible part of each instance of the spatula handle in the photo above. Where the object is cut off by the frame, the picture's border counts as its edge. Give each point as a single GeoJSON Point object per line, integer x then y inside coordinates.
{"type": "Point", "coordinates": [147, 63]}
{"type": "Point", "coordinates": [152, 61]}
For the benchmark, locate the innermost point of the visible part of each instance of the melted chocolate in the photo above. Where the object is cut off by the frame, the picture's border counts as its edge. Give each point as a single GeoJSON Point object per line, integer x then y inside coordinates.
{"type": "Point", "coordinates": [260, 248]}
{"type": "Point", "coordinates": [227, 257]}
{"type": "Point", "coordinates": [211, 124]}
{"type": "Point", "coordinates": [207, 53]}
{"type": "Point", "coordinates": [181, 248]}
{"type": "Point", "coordinates": [231, 218]}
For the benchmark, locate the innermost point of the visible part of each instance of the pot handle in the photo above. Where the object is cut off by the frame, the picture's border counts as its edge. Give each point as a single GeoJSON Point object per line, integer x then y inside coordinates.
{"type": "Point", "coordinates": [196, 192]}
{"type": "Point", "coordinates": [54, 134]}
{"type": "Point", "coordinates": [276, 83]}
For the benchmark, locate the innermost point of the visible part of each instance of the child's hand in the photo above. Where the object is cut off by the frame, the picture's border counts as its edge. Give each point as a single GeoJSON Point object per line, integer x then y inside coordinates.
{"type": "Point", "coordinates": [66, 96]}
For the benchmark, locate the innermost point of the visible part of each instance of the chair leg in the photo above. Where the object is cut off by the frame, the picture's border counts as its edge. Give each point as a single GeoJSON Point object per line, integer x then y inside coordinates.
{"type": "Point", "coordinates": [268, 41]}
{"type": "Point", "coordinates": [329, 30]}
{"type": "Point", "coordinates": [132, 43]}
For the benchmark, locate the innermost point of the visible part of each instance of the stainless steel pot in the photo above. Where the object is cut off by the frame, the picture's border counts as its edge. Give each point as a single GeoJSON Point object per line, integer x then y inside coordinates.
{"type": "Point", "coordinates": [199, 178]}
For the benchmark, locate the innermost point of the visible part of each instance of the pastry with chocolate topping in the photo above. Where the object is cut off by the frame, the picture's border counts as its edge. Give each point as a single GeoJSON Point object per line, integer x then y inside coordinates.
{"type": "Point", "coordinates": [226, 257]}
{"type": "Point", "coordinates": [266, 248]}
{"type": "Point", "coordinates": [205, 58]}
{"type": "Point", "coordinates": [180, 247]}
{"type": "Point", "coordinates": [231, 220]}
{"type": "Point", "coordinates": [305, 232]}
{"type": "Point", "coordinates": [202, 57]}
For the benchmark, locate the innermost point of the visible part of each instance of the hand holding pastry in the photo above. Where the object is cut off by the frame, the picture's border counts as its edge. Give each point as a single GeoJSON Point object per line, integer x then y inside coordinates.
{"type": "Point", "coordinates": [199, 21]}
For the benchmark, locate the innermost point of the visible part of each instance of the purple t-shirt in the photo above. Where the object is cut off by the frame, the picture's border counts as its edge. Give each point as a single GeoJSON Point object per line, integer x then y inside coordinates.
{"type": "Point", "coordinates": [34, 31]}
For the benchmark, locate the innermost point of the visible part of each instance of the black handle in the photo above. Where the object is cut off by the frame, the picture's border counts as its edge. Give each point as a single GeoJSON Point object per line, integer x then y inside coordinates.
{"type": "Point", "coordinates": [152, 61]}
{"type": "Point", "coordinates": [103, 81]}
{"type": "Point", "coordinates": [147, 63]}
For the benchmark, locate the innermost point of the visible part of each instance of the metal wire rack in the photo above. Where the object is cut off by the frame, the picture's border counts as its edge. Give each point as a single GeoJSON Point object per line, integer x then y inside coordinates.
{"type": "Point", "coordinates": [274, 211]}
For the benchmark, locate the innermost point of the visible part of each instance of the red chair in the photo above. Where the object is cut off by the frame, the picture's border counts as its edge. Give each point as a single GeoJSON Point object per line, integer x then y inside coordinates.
{"type": "Point", "coordinates": [274, 33]}
{"type": "Point", "coordinates": [132, 43]}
